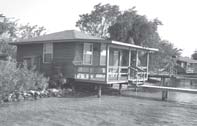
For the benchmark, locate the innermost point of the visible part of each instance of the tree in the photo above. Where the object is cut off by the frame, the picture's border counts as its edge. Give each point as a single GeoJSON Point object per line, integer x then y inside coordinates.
{"type": "Point", "coordinates": [165, 56]}
{"type": "Point", "coordinates": [129, 27]}
{"type": "Point", "coordinates": [98, 21]}
{"type": "Point", "coordinates": [194, 55]}
{"type": "Point", "coordinates": [28, 31]}
{"type": "Point", "coordinates": [11, 32]}
{"type": "Point", "coordinates": [8, 34]}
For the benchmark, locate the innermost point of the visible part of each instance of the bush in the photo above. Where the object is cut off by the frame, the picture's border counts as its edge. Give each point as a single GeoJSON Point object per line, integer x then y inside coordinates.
{"type": "Point", "coordinates": [17, 79]}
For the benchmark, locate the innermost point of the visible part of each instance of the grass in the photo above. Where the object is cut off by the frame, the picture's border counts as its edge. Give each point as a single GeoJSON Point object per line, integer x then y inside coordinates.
{"type": "Point", "coordinates": [91, 111]}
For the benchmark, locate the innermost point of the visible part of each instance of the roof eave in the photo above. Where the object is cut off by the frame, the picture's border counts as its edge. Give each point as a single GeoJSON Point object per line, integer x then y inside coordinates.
{"type": "Point", "coordinates": [56, 41]}
{"type": "Point", "coordinates": [134, 46]}
{"type": "Point", "coordinates": [88, 40]}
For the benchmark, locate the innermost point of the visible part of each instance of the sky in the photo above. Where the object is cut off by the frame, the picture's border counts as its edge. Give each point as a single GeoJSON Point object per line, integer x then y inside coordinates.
{"type": "Point", "coordinates": [179, 17]}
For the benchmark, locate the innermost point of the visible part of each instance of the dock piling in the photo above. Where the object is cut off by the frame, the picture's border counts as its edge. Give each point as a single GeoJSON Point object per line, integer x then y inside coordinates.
{"type": "Point", "coordinates": [120, 87]}
{"type": "Point", "coordinates": [99, 91]}
{"type": "Point", "coordinates": [164, 92]}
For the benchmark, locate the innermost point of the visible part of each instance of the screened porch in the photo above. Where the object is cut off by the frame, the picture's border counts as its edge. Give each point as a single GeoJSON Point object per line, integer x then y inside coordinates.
{"type": "Point", "coordinates": [110, 63]}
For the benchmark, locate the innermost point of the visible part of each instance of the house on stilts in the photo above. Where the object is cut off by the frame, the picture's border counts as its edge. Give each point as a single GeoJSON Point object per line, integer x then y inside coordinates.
{"type": "Point", "coordinates": [85, 58]}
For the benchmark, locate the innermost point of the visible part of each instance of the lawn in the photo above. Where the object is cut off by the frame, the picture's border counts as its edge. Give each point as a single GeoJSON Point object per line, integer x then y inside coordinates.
{"type": "Point", "coordinates": [91, 111]}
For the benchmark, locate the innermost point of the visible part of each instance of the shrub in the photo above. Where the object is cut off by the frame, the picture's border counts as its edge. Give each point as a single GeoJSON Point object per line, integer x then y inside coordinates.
{"type": "Point", "coordinates": [13, 78]}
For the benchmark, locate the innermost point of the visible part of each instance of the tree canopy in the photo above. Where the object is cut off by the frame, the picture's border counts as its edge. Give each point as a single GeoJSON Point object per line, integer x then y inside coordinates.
{"type": "Point", "coordinates": [98, 21]}
{"type": "Point", "coordinates": [131, 27]}
{"type": "Point", "coordinates": [30, 31]}
{"type": "Point", "coordinates": [12, 31]}
{"type": "Point", "coordinates": [194, 55]}
{"type": "Point", "coordinates": [107, 21]}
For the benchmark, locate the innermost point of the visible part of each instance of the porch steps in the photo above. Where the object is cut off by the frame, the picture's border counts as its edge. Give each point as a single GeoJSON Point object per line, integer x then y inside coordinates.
{"type": "Point", "coordinates": [135, 82]}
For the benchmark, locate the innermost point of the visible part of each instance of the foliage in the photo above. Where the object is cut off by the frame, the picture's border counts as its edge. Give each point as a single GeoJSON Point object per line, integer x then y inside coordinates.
{"type": "Point", "coordinates": [133, 28]}
{"type": "Point", "coordinates": [14, 78]}
{"type": "Point", "coordinates": [28, 31]}
{"type": "Point", "coordinates": [129, 27]}
{"type": "Point", "coordinates": [194, 55]}
{"type": "Point", "coordinates": [98, 21]}
{"type": "Point", "coordinates": [164, 57]}
{"type": "Point", "coordinates": [11, 31]}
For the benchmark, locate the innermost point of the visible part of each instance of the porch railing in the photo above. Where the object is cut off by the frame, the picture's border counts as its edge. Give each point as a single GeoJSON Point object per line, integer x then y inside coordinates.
{"type": "Point", "coordinates": [138, 73]}
{"type": "Point", "coordinates": [114, 73]}
{"type": "Point", "coordinates": [117, 73]}
{"type": "Point", "coordinates": [89, 72]}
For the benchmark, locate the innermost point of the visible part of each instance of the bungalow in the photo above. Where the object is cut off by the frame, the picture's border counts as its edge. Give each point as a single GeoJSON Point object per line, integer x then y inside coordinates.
{"type": "Point", "coordinates": [189, 65]}
{"type": "Point", "coordinates": [85, 58]}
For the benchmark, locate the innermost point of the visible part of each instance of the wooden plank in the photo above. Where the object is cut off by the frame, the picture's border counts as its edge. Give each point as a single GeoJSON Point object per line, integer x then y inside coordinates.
{"type": "Point", "coordinates": [184, 90]}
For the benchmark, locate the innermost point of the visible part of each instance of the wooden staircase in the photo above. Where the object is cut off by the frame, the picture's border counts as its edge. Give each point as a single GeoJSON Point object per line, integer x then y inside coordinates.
{"type": "Point", "coordinates": [138, 77]}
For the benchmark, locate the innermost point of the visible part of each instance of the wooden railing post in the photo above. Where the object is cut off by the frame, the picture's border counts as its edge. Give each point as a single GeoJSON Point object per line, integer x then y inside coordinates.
{"type": "Point", "coordinates": [136, 61]}
{"type": "Point", "coordinates": [148, 56]}
{"type": "Point", "coordinates": [129, 69]}
{"type": "Point", "coordinates": [89, 73]}
{"type": "Point", "coordinates": [118, 76]}
{"type": "Point", "coordinates": [107, 63]}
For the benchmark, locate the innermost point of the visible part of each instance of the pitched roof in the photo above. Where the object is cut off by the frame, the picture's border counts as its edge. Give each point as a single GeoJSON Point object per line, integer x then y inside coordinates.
{"type": "Point", "coordinates": [76, 36]}
{"type": "Point", "coordinates": [63, 35]}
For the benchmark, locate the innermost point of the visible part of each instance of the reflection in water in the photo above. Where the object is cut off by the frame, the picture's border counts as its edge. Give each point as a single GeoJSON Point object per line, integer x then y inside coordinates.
{"type": "Point", "coordinates": [183, 97]}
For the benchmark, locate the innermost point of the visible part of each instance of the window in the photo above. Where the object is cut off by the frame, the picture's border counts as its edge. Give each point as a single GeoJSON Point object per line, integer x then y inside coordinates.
{"type": "Point", "coordinates": [47, 52]}
{"type": "Point", "coordinates": [103, 54]}
{"type": "Point", "coordinates": [87, 53]}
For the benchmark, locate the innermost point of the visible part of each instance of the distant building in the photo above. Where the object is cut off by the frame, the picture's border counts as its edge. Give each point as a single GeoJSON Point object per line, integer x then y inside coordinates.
{"type": "Point", "coordinates": [188, 64]}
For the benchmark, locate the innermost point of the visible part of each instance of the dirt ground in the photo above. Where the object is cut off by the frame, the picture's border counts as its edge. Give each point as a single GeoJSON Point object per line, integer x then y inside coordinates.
{"type": "Point", "coordinates": [109, 110]}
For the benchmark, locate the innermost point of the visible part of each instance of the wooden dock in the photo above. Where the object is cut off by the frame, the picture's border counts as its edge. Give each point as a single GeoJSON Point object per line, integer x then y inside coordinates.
{"type": "Point", "coordinates": [164, 88]}
{"type": "Point", "coordinates": [174, 89]}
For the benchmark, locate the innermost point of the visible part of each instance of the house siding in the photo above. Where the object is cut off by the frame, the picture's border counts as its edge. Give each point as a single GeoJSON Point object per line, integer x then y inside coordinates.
{"type": "Point", "coordinates": [28, 50]}
{"type": "Point", "coordinates": [63, 58]}
{"type": "Point", "coordinates": [63, 55]}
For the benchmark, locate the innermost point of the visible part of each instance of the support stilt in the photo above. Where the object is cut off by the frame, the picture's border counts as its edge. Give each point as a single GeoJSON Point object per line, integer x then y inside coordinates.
{"type": "Point", "coordinates": [120, 87]}
{"type": "Point", "coordinates": [191, 82]}
{"type": "Point", "coordinates": [99, 91]}
{"type": "Point", "coordinates": [164, 95]}
{"type": "Point", "coordinates": [165, 92]}
{"type": "Point", "coordinates": [73, 88]}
